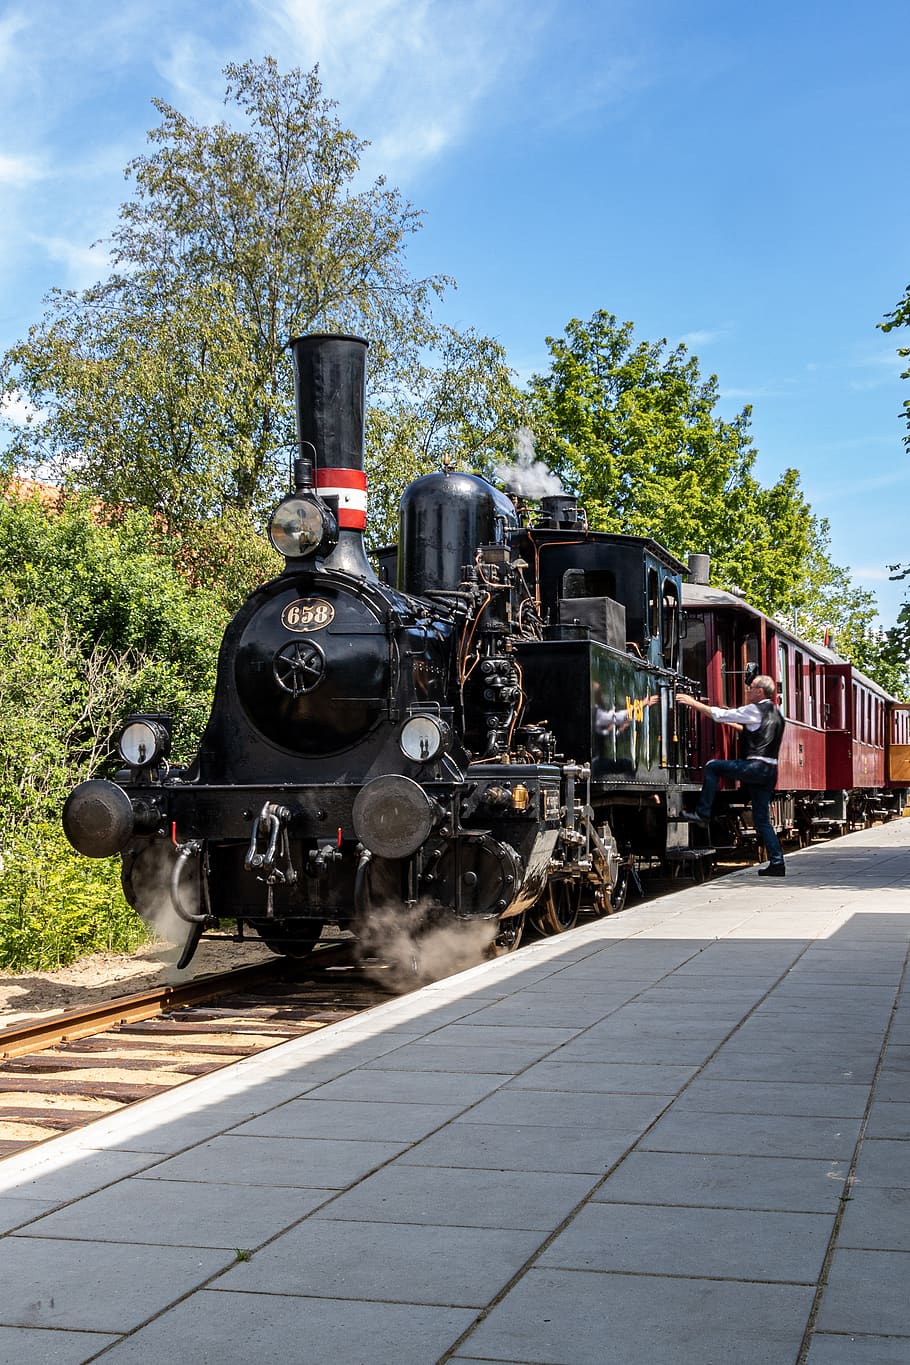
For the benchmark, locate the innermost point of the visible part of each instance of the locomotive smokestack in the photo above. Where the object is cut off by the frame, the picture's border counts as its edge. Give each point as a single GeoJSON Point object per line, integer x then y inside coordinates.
{"type": "Point", "coordinates": [699, 569]}
{"type": "Point", "coordinates": [329, 396]}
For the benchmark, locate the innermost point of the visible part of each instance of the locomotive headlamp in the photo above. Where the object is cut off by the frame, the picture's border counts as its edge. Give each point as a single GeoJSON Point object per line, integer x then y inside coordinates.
{"type": "Point", "coordinates": [144, 741]}
{"type": "Point", "coordinates": [300, 525]}
{"type": "Point", "coordinates": [393, 816]}
{"type": "Point", "coordinates": [423, 738]}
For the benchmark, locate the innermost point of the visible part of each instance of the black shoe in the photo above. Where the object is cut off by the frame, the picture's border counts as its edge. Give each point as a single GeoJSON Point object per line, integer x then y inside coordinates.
{"type": "Point", "coordinates": [691, 818]}
{"type": "Point", "coordinates": [773, 870]}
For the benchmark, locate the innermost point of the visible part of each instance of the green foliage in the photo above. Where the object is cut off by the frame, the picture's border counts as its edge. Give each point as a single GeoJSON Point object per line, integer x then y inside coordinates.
{"type": "Point", "coordinates": [99, 622]}
{"type": "Point", "coordinates": [56, 906]}
{"type": "Point", "coordinates": [95, 622]}
{"type": "Point", "coordinates": [227, 558]}
{"type": "Point", "coordinates": [40, 708]}
{"type": "Point", "coordinates": [631, 426]}
{"type": "Point", "coordinates": [168, 384]}
{"type": "Point", "coordinates": [900, 317]}
{"type": "Point", "coordinates": [460, 405]}
{"type": "Point", "coordinates": [896, 650]}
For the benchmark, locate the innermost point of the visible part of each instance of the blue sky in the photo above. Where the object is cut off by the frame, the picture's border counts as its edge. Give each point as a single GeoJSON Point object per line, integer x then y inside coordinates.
{"type": "Point", "coordinates": [728, 174]}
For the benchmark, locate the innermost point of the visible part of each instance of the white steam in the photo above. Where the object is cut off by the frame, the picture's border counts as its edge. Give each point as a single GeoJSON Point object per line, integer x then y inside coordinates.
{"type": "Point", "coordinates": [150, 878]}
{"type": "Point", "coordinates": [527, 477]}
{"type": "Point", "coordinates": [403, 948]}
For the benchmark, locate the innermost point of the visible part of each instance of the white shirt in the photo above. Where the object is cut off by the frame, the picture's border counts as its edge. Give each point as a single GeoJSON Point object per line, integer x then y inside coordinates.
{"type": "Point", "coordinates": [749, 716]}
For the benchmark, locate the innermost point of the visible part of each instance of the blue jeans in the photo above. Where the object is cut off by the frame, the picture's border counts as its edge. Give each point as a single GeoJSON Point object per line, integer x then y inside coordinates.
{"type": "Point", "coordinates": [759, 779]}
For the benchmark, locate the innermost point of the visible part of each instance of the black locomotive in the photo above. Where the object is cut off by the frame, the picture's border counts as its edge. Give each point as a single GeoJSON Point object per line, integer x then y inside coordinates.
{"type": "Point", "coordinates": [492, 736]}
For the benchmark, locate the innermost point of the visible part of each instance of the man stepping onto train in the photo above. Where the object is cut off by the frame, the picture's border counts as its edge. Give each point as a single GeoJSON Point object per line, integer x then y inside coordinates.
{"type": "Point", "coordinates": [762, 724]}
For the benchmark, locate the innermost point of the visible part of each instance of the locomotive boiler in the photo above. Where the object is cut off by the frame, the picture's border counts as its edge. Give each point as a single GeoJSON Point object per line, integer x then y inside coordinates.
{"type": "Point", "coordinates": [482, 731]}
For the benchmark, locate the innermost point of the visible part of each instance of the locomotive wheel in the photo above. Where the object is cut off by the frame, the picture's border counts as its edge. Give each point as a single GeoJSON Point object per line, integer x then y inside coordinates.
{"type": "Point", "coordinates": [508, 936]}
{"type": "Point", "coordinates": [557, 909]}
{"type": "Point", "coordinates": [289, 937]}
{"type": "Point", "coordinates": [612, 901]}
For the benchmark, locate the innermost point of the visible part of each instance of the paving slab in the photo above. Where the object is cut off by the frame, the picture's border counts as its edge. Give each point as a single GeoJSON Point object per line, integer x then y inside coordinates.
{"type": "Point", "coordinates": [709, 1243]}
{"type": "Point", "coordinates": [239, 1159]}
{"type": "Point", "coordinates": [556, 1317]}
{"type": "Point", "coordinates": [96, 1286]}
{"type": "Point", "coordinates": [677, 1134]}
{"type": "Point", "coordinates": [866, 1292]}
{"type": "Point", "coordinates": [695, 1130]}
{"type": "Point", "coordinates": [221, 1328]}
{"type": "Point", "coordinates": [180, 1213]}
{"type": "Point", "coordinates": [848, 1349]}
{"type": "Point", "coordinates": [722, 1181]}
{"type": "Point", "coordinates": [41, 1346]}
{"type": "Point", "coordinates": [507, 1147]}
{"type": "Point", "coordinates": [460, 1266]}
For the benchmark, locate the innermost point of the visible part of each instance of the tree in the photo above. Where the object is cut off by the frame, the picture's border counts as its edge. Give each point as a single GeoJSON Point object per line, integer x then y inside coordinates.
{"type": "Point", "coordinates": [900, 317]}
{"type": "Point", "coordinates": [96, 622]}
{"type": "Point", "coordinates": [460, 404]}
{"type": "Point", "coordinates": [632, 428]}
{"type": "Point", "coordinates": [899, 635]}
{"type": "Point", "coordinates": [167, 385]}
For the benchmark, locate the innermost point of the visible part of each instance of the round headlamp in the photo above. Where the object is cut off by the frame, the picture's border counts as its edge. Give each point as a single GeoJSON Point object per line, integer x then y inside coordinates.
{"type": "Point", "coordinates": [143, 742]}
{"type": "Point", "coordinates": [423, 738]}
{"type": "Point", "coordinates": [299, 525]}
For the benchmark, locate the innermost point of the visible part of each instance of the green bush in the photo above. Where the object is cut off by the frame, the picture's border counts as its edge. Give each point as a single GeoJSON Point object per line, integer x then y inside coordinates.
{"type": "Point", "coordinates": [56, 906]}
{"type": "Point", "coordinates": [96, 621]}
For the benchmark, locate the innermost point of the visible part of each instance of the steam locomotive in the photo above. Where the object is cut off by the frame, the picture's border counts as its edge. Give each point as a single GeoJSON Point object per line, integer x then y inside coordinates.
{"type": "Point", "coordinates": [483, 731]}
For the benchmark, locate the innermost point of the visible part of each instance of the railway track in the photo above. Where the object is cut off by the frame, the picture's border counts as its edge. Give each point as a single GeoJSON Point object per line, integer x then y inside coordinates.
{"type": "Point", "coordinates": [62, 1073]}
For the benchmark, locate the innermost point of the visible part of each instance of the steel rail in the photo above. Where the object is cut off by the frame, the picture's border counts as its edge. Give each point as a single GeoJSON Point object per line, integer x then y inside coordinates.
{"type": "Point", "coordinates": [127, 1009]}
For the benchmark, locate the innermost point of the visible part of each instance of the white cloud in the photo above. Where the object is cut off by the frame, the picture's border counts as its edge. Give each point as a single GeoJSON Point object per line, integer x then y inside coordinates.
{"type": "Point", "coordinates": [766, 390]}
{"type": "Point", "coordinates": [17, 171]}
{"type": "Point", "coordinates": [703, 338]}
{"type": "Point", "coordinates": [870, 574]}
{"type": "Point", "coordinates": [19, 411]}
{"type": "Point", "coordinates": [874, 368]}
{"type": "Point", "coordinates": [410, 75]}
{"type": "Point", "coordinates": [12, 24]}
{"type": "Point", "coordinates": [84, 264]}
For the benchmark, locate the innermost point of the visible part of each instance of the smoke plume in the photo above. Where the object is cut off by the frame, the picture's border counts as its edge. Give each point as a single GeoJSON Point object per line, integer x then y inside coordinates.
{"type": "Point", "coordinates": [403, 948]}
{"type": "Point", "coordinates": [150, 885]}
{"type": "Point", "coordinates": [527, 477]}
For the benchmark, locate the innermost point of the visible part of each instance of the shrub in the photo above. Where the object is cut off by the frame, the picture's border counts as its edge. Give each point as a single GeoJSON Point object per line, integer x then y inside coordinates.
{"type": "Point", "coordinates": [56, 906]}
{"type": "Point", "coordinates": [96, 621]}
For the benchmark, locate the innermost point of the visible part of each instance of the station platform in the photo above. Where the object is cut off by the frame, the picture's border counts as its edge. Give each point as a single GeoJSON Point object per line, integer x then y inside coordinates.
{"type": "Point", "coordinates": [677, 1135]}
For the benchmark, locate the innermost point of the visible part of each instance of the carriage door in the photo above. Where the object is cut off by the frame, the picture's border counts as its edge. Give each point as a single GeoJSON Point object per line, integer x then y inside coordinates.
{"type": "Point", "coordinates": [837, 727]}
{"type": "Point", "coordinates": [898, 770]}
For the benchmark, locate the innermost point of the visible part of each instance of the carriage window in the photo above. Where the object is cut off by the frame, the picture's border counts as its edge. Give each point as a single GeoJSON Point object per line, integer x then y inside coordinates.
{"type": "Point", "coordinates": [751, 652]}
{"type": "Point", "coordinates": [670, 621]}
{"type": "Point", "coordinates": [783, 676]}
{"type": "Point", "coordinates": [728, 695]}
{"type": "Point", "coordinates": [812, 717]}
{"type": "Point", "coordinates": [695, 659]}
{"type": "Point", "coordinates": [799, 690]}
{"type": "Point", "coordinates": [653, 604]}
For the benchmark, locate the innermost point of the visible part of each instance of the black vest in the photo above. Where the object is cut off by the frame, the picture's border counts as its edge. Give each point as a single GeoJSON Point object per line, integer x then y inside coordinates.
{"type": "Point", "coordinates": [765, 742]}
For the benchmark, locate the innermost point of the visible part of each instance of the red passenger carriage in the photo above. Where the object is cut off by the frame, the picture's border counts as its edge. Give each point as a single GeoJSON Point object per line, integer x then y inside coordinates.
{"type": "Point", "coordinates": [846, 752]}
